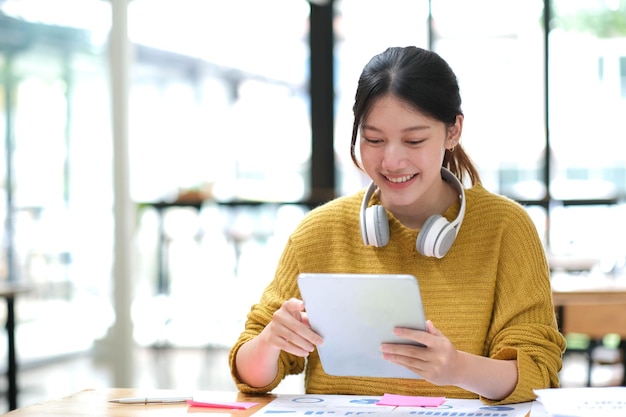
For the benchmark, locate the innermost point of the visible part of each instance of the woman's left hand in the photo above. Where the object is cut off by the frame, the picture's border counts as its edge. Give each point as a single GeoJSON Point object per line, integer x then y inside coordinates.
{"type": "Point", "coordinates": [437, 361]}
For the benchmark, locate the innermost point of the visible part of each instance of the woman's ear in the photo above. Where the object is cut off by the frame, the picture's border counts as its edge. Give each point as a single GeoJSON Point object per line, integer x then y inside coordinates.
{"type": "Point", "coordinates": [456, 129]}
{"type": "Point", "coordinates": [454, 132]}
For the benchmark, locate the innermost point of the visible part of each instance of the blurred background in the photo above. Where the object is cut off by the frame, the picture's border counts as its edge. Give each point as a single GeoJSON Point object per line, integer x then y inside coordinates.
{"type": "Point", "coordinates": [157, 153]}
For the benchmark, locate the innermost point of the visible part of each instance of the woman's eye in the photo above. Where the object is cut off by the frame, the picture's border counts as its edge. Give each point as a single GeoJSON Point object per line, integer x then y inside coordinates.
{"type": "Point", "coordinates": [415, 141]}
{"type": "Point", "coordinates": [373, 141]}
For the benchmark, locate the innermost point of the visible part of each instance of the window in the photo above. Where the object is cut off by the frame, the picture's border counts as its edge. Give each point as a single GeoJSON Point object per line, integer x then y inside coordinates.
{"type": "Point", "coordinates": [585, 102]}
{"type": "Point", "coordinates": [221, 95]}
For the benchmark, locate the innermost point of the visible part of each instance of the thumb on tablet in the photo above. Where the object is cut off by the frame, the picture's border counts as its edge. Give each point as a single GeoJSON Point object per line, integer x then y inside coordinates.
{"type": "Point", "coordinates": [432, 329]}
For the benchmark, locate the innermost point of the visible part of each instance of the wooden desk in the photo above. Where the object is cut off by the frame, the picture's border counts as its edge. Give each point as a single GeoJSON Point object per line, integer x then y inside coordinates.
{"type": "Point", "coordinates": [9, 291]}
{"type": "Point", "coordinates": [163, 279]}
{"type": "Point", "coordinates": [96, 403]}
{"type": "Point", "coordinates": [593, 305]}
{"type": "Point", "coordinates": [587, 289]}
{"type": "Point", "coordinates": [590, 304]}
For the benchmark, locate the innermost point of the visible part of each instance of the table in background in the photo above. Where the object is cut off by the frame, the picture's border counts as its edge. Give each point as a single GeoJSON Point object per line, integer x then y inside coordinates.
{"type": "Point", "coordinates": [96, 403]}
{"type": "Point", "coordinates": [9, 291]}
{"type": "Point", "coordinates": [163, 279]}
{"type": "Point", "coordinates": [196, 202]}
{"type": "Point", "coordinates": [591, 304]}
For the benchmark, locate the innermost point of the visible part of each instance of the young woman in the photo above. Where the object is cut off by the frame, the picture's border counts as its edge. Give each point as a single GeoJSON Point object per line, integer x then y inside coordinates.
{"type": "Point", "coordinates": [492, 332]}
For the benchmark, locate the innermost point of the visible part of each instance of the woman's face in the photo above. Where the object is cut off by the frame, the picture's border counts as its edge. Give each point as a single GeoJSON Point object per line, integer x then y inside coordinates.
{"type": "Point", "coordinates": [402, 151]}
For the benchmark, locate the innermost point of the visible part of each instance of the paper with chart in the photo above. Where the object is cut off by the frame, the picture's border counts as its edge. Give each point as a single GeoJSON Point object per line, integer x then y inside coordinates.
{"type": "Point", "coordinates": [362, 405]}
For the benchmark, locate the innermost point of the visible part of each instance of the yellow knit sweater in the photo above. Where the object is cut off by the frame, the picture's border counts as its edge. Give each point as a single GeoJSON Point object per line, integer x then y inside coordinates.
{"type": "Point", "coordinates": [490, 295]}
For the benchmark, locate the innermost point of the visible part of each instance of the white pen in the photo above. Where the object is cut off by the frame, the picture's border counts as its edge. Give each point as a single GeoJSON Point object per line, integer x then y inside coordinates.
{"type": "Point", "coordinates": [151, 400]}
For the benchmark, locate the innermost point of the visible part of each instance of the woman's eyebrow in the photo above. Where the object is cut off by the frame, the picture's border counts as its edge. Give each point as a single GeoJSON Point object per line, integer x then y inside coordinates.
{"type": "Point", "coordinates": [407, 129]}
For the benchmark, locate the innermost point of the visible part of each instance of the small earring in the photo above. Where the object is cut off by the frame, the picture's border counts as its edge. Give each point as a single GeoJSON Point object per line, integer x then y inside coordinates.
{"type": "Point", "coordinates": [452, 149]}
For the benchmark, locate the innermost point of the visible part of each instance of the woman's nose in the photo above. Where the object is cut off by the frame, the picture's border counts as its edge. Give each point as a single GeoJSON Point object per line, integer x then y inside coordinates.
{"type": "Point", "coordinates": [394, 157]}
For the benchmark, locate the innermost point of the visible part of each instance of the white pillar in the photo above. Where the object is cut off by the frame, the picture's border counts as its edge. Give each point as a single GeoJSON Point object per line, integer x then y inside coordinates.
{"type": "Point", "coordinates": [121, 349]}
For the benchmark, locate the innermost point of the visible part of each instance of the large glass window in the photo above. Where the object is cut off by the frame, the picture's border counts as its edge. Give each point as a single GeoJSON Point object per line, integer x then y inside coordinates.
{"type": "Point", "coordinates": [56, 161]}
{"type": "Point", "coordinates": [587, 49]}
{"type": "Point", "coordinates": [220, 93]}
{"type": "Point", "coordinates": [587, 54]}
{"type": "Point", "coordinates": [218, 104]}
{"type": "Point", "coordinates": [219, 108]}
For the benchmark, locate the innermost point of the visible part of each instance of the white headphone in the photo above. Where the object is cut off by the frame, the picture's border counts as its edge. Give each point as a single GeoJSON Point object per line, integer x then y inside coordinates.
{"type": "Point", "coordinates": [437, 234]}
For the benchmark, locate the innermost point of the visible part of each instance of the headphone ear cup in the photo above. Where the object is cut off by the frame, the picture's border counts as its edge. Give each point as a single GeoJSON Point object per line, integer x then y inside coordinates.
{"type": "Point", "coordinates": [377, 226]}
{"type": "Point", "coordinates": [436, 237]}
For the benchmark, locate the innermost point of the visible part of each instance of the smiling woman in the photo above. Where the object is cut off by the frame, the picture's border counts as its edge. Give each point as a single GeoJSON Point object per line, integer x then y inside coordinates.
{"type": "Point", "coordinates": [407, 112]}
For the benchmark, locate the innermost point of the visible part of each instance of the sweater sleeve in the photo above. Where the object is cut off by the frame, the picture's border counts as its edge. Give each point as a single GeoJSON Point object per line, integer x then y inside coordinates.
{"type": "Point", "coordinates": [282, 287]}
{"type": "Point", "coordinates": [524, 323]}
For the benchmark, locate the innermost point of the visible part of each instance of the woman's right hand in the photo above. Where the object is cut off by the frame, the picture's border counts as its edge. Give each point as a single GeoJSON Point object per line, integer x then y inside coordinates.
{"type": "Point", "coordinates": [290, 330]}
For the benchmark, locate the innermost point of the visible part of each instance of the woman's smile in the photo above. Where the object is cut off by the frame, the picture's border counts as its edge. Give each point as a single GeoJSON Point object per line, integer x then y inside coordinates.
{"type": "Point", "coordinates": [399, 180]}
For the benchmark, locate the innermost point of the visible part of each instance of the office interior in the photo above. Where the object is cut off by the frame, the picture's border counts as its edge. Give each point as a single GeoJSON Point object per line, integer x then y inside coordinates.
{"type": "Point", "coordinates": [157, 154]}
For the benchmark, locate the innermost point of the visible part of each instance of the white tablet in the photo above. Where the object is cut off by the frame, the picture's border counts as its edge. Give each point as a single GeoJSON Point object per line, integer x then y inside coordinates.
{"type": "Point", "coordinates": [355, 313]}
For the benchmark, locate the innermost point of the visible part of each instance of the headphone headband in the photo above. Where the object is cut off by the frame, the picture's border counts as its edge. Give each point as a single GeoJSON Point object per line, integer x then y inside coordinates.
{"type": "Point", "coordinates": [437, 234]}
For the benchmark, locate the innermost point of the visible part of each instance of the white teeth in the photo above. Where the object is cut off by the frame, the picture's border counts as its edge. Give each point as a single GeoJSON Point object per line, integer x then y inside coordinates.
{"type": "Point", "coordinates": [401, 179]}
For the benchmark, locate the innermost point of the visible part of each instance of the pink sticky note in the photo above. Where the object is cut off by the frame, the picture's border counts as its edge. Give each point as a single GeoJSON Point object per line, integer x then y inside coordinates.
{"type": "Point", "coordinates": [233, 405]}
{"type": "Point", "coordinates": [410, 401]}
